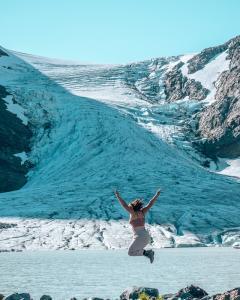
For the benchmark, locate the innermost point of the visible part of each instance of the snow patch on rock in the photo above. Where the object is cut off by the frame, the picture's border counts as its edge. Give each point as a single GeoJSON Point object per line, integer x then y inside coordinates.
{"type": "Point", "coordinates": [16, 109]}
{"type": "Point", "coordinates": [208, 76]}
{"type": "Point", "coordinates": [232, 168]}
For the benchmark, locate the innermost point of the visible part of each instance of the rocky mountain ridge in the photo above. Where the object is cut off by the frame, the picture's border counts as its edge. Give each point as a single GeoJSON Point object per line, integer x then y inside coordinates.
{"type": "Point", "coordinates": [216, 132]}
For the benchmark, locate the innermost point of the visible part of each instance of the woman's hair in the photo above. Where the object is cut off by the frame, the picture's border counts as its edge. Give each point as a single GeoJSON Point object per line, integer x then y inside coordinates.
{"type": "Point", "coordinates": [136, 204]}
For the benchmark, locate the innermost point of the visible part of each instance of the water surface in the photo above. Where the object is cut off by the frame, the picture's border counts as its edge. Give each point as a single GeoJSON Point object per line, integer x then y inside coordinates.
{"type": "Point", "coordinates": [106, 274]}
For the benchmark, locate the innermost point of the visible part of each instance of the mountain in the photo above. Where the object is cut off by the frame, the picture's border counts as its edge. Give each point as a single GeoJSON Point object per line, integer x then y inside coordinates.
{"type": "Point", "coordinates": [72, 132]}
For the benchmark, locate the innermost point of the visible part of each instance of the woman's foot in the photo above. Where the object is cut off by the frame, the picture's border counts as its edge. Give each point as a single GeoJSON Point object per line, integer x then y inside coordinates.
{"type": "Point", "coordinates": [149, 254]}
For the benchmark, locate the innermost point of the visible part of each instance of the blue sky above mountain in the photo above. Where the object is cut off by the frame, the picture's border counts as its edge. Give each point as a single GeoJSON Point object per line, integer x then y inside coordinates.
{"type": "Point", "coordinates": [116, 31]}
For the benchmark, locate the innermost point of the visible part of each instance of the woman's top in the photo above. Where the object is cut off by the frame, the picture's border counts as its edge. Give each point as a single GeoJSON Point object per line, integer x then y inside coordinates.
{"type": "Point", "coordinates": [137, 219]}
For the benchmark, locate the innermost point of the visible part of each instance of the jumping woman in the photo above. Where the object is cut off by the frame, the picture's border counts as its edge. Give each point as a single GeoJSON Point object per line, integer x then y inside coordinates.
{"type": "Point", "coordinates": [141, 236]}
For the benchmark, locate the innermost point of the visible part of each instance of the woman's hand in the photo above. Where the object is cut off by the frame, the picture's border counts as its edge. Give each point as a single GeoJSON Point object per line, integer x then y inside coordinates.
{"type": "Point", "coordinates": [116, 193]}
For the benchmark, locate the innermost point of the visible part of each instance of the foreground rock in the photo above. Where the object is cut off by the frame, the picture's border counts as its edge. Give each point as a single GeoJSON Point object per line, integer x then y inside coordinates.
{"type": "Point", "coordinates": [229, 295]}
{"type": "Point", "coordinates": [135, 292]}
{"type": "Point", "coordinates": [16, 296]}
{"type": "Point", "coordinates": [46, 297]}
{"type": "Point", "coordinates": [145, 293]}
{"type": "Point", "coordinates": [187, 293]}
{"type": "Point", "coordinates": [191, 292]}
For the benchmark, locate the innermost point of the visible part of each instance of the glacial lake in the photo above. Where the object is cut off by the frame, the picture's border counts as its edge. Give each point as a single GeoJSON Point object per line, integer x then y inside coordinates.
{"type": "Point", "coordinates": [107, 273]}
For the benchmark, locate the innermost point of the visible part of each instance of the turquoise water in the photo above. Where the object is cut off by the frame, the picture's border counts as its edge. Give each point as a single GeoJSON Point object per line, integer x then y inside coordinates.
{"type": "Point", "coordinates": [88, 273]}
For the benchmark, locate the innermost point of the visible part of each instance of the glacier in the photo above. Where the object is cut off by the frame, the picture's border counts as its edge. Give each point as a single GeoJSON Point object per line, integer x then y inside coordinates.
{"type": "Point", "coordinates": [97, 128]}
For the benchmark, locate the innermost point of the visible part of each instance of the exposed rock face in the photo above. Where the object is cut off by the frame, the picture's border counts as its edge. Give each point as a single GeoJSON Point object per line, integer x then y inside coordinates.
{"type": "Point", "coordinates": [194, 90]}
{"type": "Point", "coordinates": [174, 83]}
{"type": "Point", "coordinates": [14, 138]}
{"type": "Point", "coordinates": [200, 60]}
{"type": "Point", "coordinates": [2, 53]}
{"type": "Point", "coordinates": [217, 127]}
{"type": "Point", "coordinates": [178, 86]}
{"type": "Point", "coordinates": [219, 124]}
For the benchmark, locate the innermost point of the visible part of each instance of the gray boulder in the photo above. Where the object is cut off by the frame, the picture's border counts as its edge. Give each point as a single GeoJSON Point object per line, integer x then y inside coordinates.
{"type": "Point", "coordinates": [95, 298]}
{"type": "Point", "coordinates": [92, 298]}
{"type": "Point", "coordinates": [16, 296]}
{"type": "Point", "coordinates": [134, 292]}
{"type": "Point", "coordinates": [46, 297]}
{"type": "Point", "coordinates": [229, 295]}
{"type": "Point", "coordinates": [190, 292]}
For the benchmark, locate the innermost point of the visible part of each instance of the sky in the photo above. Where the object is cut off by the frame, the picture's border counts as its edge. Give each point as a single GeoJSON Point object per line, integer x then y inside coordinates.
{"type": "Point", "coordinates": [116, 31]}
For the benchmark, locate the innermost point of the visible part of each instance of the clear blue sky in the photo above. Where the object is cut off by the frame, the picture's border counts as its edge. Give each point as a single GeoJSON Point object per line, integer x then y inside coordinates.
{"type": "Point", "coordinates": [116, 31]}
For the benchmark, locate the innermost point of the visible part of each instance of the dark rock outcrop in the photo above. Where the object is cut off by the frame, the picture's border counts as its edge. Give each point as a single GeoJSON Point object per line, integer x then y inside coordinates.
{"type": "Point", "coordinates": [15, 137]}
{"type": "Point", "coordinates": [134, 293]}
{"type": "Point", "coordinates": [16, 296]}
{"type": "Point", "coordinates": [2, 53]}
{"type": "Point", "coordinates": [229, 295]}
{"type": "Point", "coordinates": [190, 292]}
{"type": "Point", "coordinates": [199, 61]}
{"type": "Point", "coordinates": [174, 84]}
{"type": "Point", "coordinates": [177, 86]}
{"type": "Point", "coordinates": [94, 298]}
{"type": "Point", "coordinates": [46, 297]}
{"type": "Point", "coordinates": [219, 124]}
{"type": "Point", "coordinates": [194, 90]}
{"type": "Point", "coordinates": [6, 226]}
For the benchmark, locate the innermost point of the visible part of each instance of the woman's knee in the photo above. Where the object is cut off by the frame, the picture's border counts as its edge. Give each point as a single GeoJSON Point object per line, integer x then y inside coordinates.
{"type": "Point", "coordinates": [135, 252]}
{"type": "Point", "coordinates": [131, 252]}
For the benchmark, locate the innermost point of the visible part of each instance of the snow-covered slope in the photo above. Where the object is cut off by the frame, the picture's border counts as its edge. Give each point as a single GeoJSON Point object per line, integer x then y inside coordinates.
{"type": "Point", "coordinates": [96, 128]}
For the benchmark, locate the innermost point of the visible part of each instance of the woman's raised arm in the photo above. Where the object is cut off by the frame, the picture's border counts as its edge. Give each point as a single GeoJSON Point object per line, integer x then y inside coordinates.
{"type": "Point", "coordinates": [122, 202]}
{"type": "Point", "coordinates": [151, 202]}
